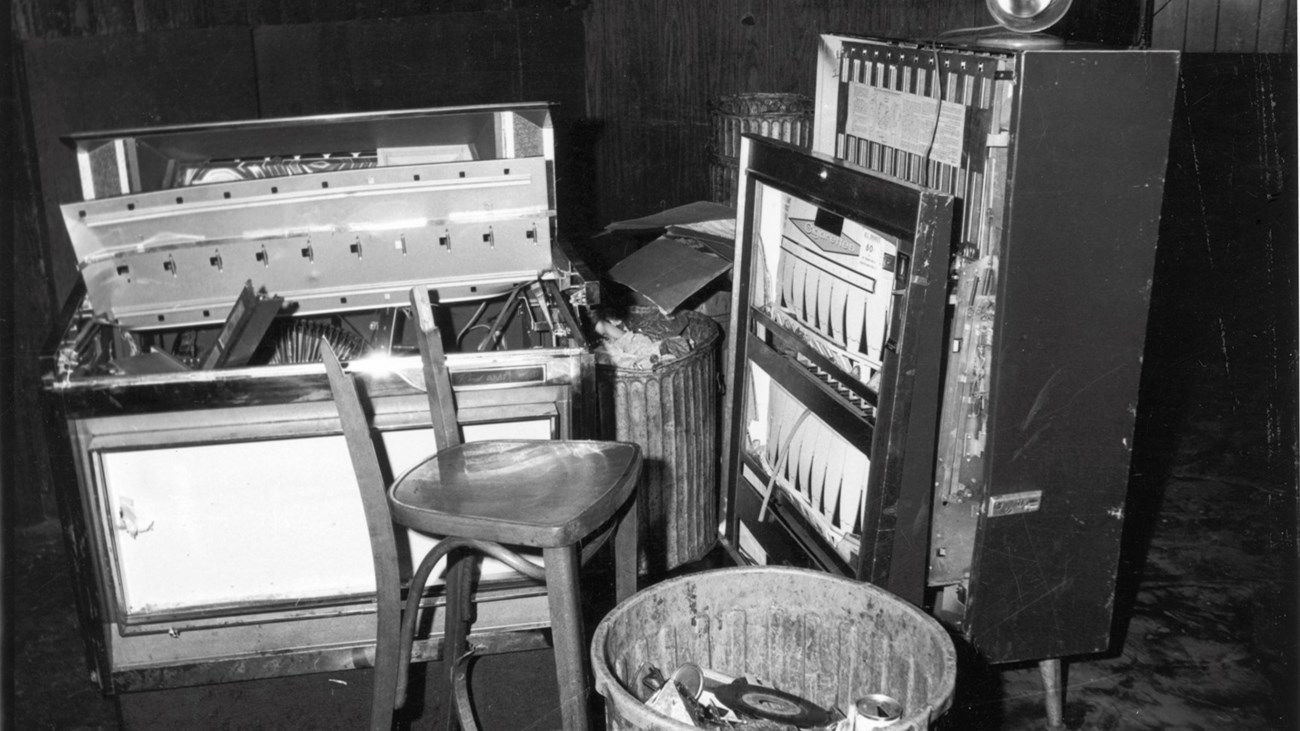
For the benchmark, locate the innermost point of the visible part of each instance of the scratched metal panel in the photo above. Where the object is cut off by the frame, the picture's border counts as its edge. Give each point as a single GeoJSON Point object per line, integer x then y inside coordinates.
{"type": "Point", "coordinates": [1091, 141]}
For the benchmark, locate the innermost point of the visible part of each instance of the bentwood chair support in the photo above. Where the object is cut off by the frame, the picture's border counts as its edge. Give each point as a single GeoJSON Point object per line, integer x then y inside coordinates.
{"type": "Point", "coordinates": [484, 496]}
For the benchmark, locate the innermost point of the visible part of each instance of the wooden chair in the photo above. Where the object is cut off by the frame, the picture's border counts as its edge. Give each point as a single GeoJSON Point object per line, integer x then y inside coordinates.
{"type": "Point", "coordinates": [484, 496]}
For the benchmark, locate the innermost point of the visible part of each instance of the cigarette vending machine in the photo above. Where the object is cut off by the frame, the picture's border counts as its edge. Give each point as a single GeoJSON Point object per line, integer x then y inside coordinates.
{"type": "Point", "coordinates": [1002, 510]}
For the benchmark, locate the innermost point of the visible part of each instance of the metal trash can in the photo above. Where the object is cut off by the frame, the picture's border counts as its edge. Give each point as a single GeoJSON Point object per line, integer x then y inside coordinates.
{"type": "Point", "coordinates": [787, 117]}
{"type": "Point", "coordinates": [671, 410]}
{"type": "Point", "coordinates": [821, 637]}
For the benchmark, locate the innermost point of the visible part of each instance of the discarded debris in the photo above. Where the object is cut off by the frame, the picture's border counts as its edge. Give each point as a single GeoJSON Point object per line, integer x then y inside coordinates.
{"type": "Point", "coordinates": [657, 341]}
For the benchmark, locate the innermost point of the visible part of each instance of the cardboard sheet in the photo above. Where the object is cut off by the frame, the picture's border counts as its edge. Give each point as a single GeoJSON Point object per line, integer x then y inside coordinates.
{"type": "Point", "coordinates": [668, 271]}
{"type": "Point", "coordinates": [690, 213]}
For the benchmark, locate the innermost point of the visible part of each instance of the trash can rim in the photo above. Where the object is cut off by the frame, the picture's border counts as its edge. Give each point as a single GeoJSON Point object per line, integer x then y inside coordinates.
{"type": "Point", "coordinates": [612, 687]}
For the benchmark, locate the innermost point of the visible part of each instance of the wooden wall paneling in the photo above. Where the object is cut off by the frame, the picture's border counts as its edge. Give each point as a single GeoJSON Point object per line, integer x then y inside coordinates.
{"type": "Point", "coordinates": [1238, 180]}
{"type": "Point", "coordinates": [773, 46]}
{"type": "Point", "coordinates": [110, 16]}
{"type": "Point", "coordinates": [159, 14]}
{"type": "Point", "coordinates": [950, 16]}
{"type": "Point", "coordinates": [1111, 22]}
{"type": "Point", "coordinates": [1238, 26]}
{"type": "Point", "coordinates": [1273, 26]}
{"type": "Point", "coordinates": [164, 14]}
{"type": "Point", "coordinates": [443, 60]}
{"type": "Point", "coordinates": [741, 36]}
{"type": "Point", "coordinates": [273, 12]}
{"type": "Point", "coordinates": [28, 17]}
{"type": "Point", "coordinates": [553, 68]}
{"type": "Point", "coordinates": [1289, 41]}
{"type": "Point", "coordinates": [306, 11]}
{"type": "Point", "coordinates": [900, 18]}
{"type": "Point", "coordinates": [932, 20]}
{"type": "Point", "coordinates": [449, 59]}
{"type": "Point", "coordinates": [1289, 45]}
{"type": "Point", "coordinates": [640, 88]}
{"type": "Point", "coordinates": [1202, 26]}
{"type": "Point", "coordinates": [62, 18]}
{"type": "Point", "coordinates": [552, 61]}
{"type": "Point", "coordinates": [762, 47]}
{"type": "Point", "coordinates": [10, 234]}
{"type": "Point", "coordinates": [43, 18]}
{"type": "Point", "coordinates": [58, 18]}
{"type": "Point", "coordinates": [125, 80]}
{"type": "Point", "coordinates": [649, 89]}
{"type": "Point", "coordinates": [304, 69]}
{"type": "Point", "coordinates": [29, 323]}
{"type": "Point", "coordinates": [1169, 24]}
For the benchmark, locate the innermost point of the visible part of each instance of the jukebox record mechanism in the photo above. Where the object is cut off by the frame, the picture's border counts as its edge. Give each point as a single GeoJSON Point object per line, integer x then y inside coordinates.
{"type": "Point", "coordinates": [243, 330]}
{"type": "Point", "coordinates": [228, 171]}
{"type": "Point", "coordinates": [298, 341]}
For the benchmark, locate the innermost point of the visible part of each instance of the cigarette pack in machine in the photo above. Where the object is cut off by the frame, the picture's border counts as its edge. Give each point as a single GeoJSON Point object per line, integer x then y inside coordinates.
{"type": "Point", "coordinates": [217, 532]}
{"type": "Point", "coordinates": [1056, 156]}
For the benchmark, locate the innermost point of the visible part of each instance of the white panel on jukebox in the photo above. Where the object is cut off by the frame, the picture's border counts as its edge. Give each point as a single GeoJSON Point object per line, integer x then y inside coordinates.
{"type": "Point", "coordinates": [254, 522]}
{"type": "Point", "coordinates": [234, 523]}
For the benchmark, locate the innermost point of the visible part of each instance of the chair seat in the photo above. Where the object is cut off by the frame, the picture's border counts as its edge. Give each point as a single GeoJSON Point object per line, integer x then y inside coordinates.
{"type": "Point", "coordinates": [545, 494]}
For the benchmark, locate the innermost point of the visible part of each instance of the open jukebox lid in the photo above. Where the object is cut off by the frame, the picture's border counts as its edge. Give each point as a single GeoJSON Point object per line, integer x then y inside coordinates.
{"type": "Point", "coordinates": [332, 213]}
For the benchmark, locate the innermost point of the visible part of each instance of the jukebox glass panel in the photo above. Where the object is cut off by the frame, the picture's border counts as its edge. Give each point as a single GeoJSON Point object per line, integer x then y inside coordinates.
{"type": "Point", "coordinates": [838, 326]}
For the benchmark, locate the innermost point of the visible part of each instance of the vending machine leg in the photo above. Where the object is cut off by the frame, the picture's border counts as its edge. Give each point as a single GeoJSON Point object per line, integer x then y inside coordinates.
{"type": "Point", "coordinates": [1053, 692]}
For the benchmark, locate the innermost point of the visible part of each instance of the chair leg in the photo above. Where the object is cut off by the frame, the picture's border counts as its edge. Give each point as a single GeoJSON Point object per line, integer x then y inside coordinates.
{"type": "Point", "coordinates": [460, 683]}
{"type": "Point", "coordinates": [455, 642]}
{"type": "Point", "coordinates": [387, 663]}
{"type": "Point", "coordinates": [625, 552]}
{"type": "Point", "coordinates": [566, 631]}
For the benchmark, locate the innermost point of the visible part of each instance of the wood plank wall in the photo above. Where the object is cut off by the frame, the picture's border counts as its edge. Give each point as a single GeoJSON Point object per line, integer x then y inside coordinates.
{"type": "Point", "coordinates": [77, 18]}
{"type": "Point", "coordinates": [1225, 26]}
{"type": "Point", "coordinates": [654, 65]}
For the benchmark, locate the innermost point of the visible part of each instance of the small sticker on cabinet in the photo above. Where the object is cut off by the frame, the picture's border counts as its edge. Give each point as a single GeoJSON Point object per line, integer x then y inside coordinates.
{"type": "Point", "coordinates": [1015, 503]}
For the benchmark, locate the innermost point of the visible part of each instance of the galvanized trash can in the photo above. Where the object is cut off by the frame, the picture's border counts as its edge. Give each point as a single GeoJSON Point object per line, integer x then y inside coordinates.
{"type": "Point", "coordinates": [786, 117]}
{"type": "Point", "coordinates": [671, 410]}
{"type": "Point", "coordinates": [824, 638]}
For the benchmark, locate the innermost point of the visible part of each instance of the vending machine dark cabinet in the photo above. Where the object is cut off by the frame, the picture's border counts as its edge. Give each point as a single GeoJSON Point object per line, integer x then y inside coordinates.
{"type": "Point", "coordinates": [1055, 159]}
{"type": "Point", "coordinates": [215, 525]}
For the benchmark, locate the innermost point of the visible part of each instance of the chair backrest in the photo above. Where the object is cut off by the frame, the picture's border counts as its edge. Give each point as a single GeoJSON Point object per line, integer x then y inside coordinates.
{"type": "Point", "coordinates": [437, 379]}
{"type": "Point", "coordinates": [383, 544]}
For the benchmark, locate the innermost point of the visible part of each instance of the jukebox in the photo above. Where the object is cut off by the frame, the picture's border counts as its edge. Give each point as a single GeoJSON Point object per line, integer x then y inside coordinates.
{"type": "Point", "coordinates": [212, 511]}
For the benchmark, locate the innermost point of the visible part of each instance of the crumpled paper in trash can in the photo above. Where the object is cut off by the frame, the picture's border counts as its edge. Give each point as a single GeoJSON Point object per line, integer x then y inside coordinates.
{"type": "Point", "coordinates": [638, 350]}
